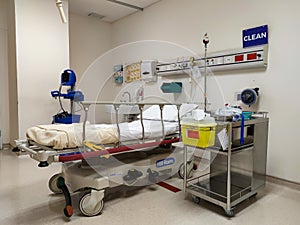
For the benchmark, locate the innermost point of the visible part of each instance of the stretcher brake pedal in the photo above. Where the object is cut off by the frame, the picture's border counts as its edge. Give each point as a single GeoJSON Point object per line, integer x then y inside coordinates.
{"type": "Point", "coordinates": [68, 210]}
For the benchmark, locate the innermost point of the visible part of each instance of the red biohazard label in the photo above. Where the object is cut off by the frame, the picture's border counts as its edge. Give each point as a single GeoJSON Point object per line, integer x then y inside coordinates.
{"type": "Point", "coordinates": [193, 134]}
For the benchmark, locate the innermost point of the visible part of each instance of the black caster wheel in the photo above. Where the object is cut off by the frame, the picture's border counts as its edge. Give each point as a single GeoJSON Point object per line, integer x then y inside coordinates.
{"type": "Point", "coordinates": [15, 149]}
{"type": "Point", "coordinates": [253, 196]}
{"type": "Point", "coordinates": [196, 199]}
{"type": "Point", "coordinates": [229, 213]}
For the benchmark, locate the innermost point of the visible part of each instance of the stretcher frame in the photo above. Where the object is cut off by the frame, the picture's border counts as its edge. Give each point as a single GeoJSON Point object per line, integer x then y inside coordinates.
{"type": "Point", "coordinates": [68, 179]}
{"type": "Point", "coordinates": [46, 155]}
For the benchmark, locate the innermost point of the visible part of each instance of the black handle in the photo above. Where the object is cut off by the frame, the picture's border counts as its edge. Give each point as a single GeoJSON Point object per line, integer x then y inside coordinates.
{"type": "Point", "coordinates": [68, 210]}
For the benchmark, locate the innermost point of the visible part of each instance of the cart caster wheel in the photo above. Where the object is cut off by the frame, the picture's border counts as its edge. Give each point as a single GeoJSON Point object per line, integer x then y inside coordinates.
{"type": "Point", "coordinates": [196, 199]}
{"type": "Point", "coordinates": [229, 213]}
{"type": "Point", "coordinates": [52, 184]}
{"type": "Point", "coordinates": [89, 206]}
{"type": "Point", "coordinates": [253, 196]}
{"type": "Point", "coordinates": [190, 168]}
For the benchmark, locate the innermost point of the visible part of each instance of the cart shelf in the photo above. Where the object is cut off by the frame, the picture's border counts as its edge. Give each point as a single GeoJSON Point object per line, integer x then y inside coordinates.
{"type": "Point", "coordinates": [237, 172]}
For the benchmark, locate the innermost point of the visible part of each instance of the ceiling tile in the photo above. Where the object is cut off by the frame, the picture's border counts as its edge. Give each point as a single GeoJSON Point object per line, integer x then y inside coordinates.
{"type": "Point", "coordinates": [111, 11]}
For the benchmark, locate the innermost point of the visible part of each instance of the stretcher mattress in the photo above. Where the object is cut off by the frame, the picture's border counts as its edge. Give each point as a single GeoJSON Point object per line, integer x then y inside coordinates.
{"type": "Point", "coordinates": [61, 136]}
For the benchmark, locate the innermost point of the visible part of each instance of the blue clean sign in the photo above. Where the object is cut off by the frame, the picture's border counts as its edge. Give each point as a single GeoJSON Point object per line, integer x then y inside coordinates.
{"type": "Point", "coordinates": [255, 36]}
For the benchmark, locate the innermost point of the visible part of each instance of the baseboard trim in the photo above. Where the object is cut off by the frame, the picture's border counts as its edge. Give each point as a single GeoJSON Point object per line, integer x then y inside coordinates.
{"type": "Point", "coordinates": [287, 183]}
{"type": "Point", "coordinates": [6, 147]}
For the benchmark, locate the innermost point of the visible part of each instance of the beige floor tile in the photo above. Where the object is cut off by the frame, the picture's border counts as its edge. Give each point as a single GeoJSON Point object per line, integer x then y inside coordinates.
{"type": "Point", "coordinates": [26, 199]}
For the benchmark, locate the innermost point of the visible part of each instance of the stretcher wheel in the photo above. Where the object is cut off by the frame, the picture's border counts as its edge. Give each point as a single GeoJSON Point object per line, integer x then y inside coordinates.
{"type": "Point", "coordinates": [53, 184]}
{"type": "Point", "coordinates": [89, 206]}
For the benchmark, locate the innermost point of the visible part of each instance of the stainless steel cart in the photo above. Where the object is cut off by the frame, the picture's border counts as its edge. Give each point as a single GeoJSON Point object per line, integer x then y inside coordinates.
{"type": "Point", "coordinates": [236, 173]}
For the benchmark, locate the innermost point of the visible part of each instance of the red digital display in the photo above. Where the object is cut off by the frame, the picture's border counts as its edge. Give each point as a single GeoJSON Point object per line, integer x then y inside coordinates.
{"type": "Point", "coordinates": [251, 56]}
{"type": "Point", "coordinates": [239, 58]}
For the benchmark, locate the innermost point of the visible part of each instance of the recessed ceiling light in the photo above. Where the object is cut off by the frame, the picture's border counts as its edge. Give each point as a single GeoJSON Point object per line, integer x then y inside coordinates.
{"type": "Point", "coordinates": [96, 15]}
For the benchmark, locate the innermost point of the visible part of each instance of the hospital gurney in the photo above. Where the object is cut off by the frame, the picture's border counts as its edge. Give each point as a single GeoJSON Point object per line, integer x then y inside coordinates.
{"type": "Point", "coordinates": [91, 172]}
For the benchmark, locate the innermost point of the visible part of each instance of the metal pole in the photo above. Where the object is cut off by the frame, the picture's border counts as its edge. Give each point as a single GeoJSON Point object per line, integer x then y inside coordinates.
{"type": "Point", "coordinates": [205, 42]}
{"type": "Point", "coordinates": [228, 199]}
{"type": "Point", "coordinates": [184, 168]}
{"type": "Point", "coordinates": [117, 107]}
{"type": "Point", "coordinates": [205, 79]}
{"type": "Point", "coordinates": [72, 102]}
{"type": "Point", "coordinates": [178, 117]}
{"type": "Point", "coordinates": [141, 106]}
{"type": "Point", "coordinates": [161, 107]}
{"type": "Point", "coordinates": [86, 109]}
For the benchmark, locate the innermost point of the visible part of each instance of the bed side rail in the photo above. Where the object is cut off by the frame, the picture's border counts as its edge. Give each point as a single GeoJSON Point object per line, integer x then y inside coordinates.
{"type": "Point", "coordinates": [86, 105]}
{"type": "Point", "coordinates": [43, 154]}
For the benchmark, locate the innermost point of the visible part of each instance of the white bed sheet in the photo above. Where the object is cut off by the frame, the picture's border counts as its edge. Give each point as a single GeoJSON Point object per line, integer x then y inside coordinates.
{"type": "Point", "coordinates": [133, 130]}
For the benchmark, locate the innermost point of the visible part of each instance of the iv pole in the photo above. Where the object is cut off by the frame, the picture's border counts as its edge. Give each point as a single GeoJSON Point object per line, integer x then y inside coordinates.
{"type": "Point", "coordinates": [205, 42]}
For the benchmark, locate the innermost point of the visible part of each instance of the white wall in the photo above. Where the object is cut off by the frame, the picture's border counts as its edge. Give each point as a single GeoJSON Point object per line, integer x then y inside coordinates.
{"type": "Point", "coordinates": [4, 102]}
{"type": "Point", "coordinates": [185, 22]}
{"type": "Point", "coordinates": [89, 39]}
{"type": "Point", "coordinates": [12, 78]}
{"type": "Point", "coordinates": [42, 54]}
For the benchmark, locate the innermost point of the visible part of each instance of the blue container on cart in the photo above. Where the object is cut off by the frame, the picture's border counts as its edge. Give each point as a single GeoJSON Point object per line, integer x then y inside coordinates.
{"type": "Point", "coordinates": [67, 119]}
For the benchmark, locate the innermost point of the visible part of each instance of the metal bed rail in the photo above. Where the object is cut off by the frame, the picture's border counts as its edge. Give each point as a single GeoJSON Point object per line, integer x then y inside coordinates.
{"type": "Point", "coordinates": [86, 106]}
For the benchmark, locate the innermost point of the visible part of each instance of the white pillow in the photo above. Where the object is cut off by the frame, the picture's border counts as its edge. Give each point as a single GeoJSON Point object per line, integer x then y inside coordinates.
{"type": "Point", "coordinates": [169, 112]}
{"type": "Point", "coordinates": [187, 108]}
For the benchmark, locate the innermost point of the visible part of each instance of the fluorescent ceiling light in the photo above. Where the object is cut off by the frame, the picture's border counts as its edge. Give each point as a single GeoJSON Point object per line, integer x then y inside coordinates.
{"type": "Point", "coordinates": [59, 5]}
{"type": "Point", "coordinates": [126, 4]}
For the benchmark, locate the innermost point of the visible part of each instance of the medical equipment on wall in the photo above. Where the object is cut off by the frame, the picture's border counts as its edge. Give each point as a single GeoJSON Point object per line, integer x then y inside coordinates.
{"type": "Point", "coordinates": [235, 59]}
{"type": "Point", "coordinates": [68, 78]}
{"type": "Point", "coordinates": [148, 70]}
{"type": "Point", "coordinates": [144, 70]}
{"type": "Point", "coordinates": [249, 96]}
{"type": "Point", "coordinates": [132, 72]}
{"type": "Point", "coordinates": [139, 94]}
{"type": "Point", "coordinates": [118, 74]}
{"type": "Point", "coordinates": [173, 87]}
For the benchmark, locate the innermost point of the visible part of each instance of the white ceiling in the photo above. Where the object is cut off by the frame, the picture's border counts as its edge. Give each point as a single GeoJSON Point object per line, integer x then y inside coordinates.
{"type": "Point", "coordinates": [110, 10]}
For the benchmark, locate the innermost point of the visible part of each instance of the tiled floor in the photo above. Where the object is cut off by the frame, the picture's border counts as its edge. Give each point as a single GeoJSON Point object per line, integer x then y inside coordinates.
{"type": "Point", "coordinates": [26, 199]}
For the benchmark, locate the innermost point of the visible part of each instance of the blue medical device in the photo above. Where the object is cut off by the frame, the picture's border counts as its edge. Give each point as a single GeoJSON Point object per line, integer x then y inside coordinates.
{"type": "Point", "coordinates": [68, 78]}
